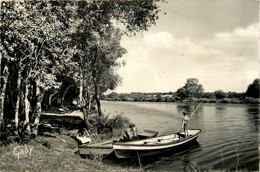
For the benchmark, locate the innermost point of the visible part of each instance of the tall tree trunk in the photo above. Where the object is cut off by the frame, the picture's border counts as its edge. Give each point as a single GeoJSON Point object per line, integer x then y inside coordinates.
{"type": "Point", "coordinates": [50, 99]}
{"type": "Point", "coordinates": [99, 105]}
{"type": "Point", "coordinates": [27, 108]}
{"type": "Point", "coordinates": [16, 118]}
{"type": "Point", "coordinates": [81, 99]}
{"type": "Point", "coordinates": [97, 96]}
{"type": "Point", "coordinates": [0, 69]}
{"type": "Point", "coordinates": [82, 102]}
{"type": "Point", "coordinates": [2, 95]}
{"type": "Point", "coordinates": [63, 96]}
{"type": "Point", "coordinates": [38, 111]}
{"type": "Point", "coordinates": [95, 81]}
{"type": "Point", "coordinates": [85, 115]}
{"type": "Point", "coordinates": [89, 102]}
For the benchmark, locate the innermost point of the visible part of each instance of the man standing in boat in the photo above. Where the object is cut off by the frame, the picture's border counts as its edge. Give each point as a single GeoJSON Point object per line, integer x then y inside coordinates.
{"type": "Point", "coordinates": [185, 124]}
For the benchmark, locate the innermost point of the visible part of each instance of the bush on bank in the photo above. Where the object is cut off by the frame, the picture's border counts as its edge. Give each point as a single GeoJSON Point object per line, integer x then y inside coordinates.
{"type": "Point", "coordinates": [107, 126]}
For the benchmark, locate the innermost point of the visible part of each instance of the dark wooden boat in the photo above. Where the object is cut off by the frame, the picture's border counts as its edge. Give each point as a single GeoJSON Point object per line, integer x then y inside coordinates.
{"type": "Point", "coordinates": [105, 147]}
{"type": "Point", "coordinates": [155, 145]}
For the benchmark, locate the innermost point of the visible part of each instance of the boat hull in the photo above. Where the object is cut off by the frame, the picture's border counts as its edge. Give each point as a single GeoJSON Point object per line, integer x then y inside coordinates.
{"type": "Point", "coordinates": [132, 150]}
{"type": "Point", "coordinates": [105, 147]}
{"type": "Point", "coordinates": [101, 148]}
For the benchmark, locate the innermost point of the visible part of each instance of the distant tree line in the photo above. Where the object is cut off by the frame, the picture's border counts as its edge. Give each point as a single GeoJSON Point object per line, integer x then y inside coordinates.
{"type": "Point", "coordinates": [191, 91]}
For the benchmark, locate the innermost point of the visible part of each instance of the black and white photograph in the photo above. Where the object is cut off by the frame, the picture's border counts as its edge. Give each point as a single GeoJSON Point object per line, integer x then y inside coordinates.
{"type": "Point", "coordinates": [129, 85]}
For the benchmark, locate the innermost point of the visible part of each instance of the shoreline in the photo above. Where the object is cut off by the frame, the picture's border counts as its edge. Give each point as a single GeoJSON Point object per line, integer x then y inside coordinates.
{"type": "Point", "coordinates": [255, 101]}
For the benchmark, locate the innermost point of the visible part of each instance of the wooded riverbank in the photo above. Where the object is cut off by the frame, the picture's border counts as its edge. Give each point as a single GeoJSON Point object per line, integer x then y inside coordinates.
{"type": "Point", "coordinates": [139, 97]}
{"type": "Point", "coordinates": [192, 91]}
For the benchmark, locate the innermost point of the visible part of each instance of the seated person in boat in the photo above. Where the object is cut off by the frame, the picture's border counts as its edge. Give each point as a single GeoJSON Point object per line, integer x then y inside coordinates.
{"type": "Point", "coordinates": [185, 124]}
{"type": "Point", "coordinates": [83, 136]}
{"type": "Point", "coordinates": [130, 133]}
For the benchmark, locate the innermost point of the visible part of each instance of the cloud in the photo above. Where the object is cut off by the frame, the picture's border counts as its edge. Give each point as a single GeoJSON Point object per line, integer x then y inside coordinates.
{"type": "Point", "coordinates": [157, 61]}
{"type": "Point", "coordinates": [236, 54]}
{"type": "Point", "coordinates": [251, 32]}
{"type": "Point", "coordinates": [242, 42]}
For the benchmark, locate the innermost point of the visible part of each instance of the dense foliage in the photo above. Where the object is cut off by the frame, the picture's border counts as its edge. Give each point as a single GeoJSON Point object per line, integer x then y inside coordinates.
{"type": "Point", "coordinates": [220, 94]}
{"type": "Point", "coordinates": [62, 53]}
{"type": "Point", "coordinates": [253, 89]}
{"type": "Point", "coordinates": [192, 88]}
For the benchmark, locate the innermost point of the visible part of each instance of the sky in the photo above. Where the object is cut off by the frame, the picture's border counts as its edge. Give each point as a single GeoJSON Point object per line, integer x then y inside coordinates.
{"type": "Point", "coordinates": [215, 41]}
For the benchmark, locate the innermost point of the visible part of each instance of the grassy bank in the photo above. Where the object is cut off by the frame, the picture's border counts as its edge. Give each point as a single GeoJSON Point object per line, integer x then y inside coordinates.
{"type": "Point", "coordinates": [55, 153]}
{"type": "Point", "coordinates": [56, 149]}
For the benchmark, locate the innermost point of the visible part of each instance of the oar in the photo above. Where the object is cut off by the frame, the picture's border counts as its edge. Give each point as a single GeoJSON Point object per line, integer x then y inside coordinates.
{"type": "Point", "coordinates": [196, 108]}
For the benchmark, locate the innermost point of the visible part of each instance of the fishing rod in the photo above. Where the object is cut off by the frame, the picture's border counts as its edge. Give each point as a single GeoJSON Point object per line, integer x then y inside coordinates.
{"type": "Point", "coordinates": [196, 108]}
{"type": "Point", "coordinates": [164, 133]}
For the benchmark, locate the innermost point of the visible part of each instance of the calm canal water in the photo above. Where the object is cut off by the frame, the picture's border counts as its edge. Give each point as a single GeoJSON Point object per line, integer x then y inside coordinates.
{"type": "Point", "coordinates": [229, 137]}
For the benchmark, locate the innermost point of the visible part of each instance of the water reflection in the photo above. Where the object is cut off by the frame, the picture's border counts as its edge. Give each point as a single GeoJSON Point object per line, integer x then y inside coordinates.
{"type": "Point", "coordinates": [253, 116]}
{"type": "Point", "coordinates": [188, 163]}
{"type": "Point", "coordinates": [189, 108]}
{"type": "Point", "coordinates": [220, 109]}
{"type": "Point", "coordinates": [179, 160]}
{"type": "Point", "coordinates": [220, 113]}
{"type": "Point", "coordinates": [184, 108]}
{"type": "Point", "coordinates": [228, 132]}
